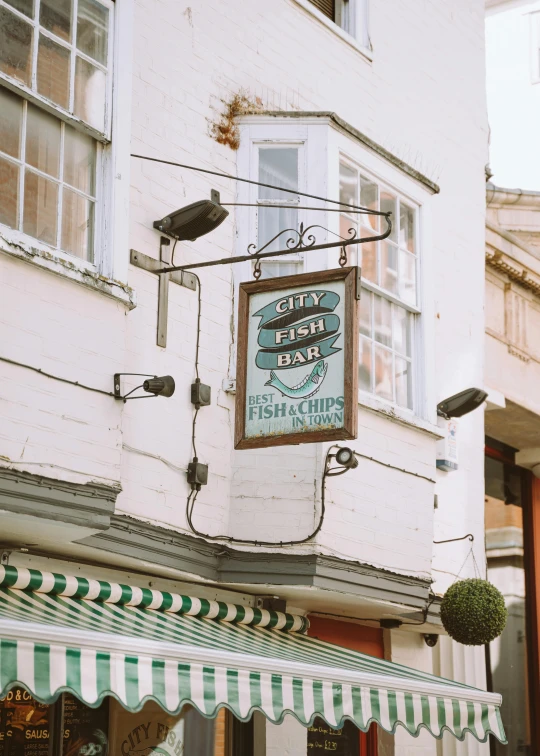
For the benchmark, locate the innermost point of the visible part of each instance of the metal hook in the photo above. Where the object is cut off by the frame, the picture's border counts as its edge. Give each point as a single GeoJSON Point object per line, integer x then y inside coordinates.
{"type": "Point", "coordinates": [257, 270]}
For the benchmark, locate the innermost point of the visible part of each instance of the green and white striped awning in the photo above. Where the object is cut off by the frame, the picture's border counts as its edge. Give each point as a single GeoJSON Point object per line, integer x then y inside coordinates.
{"type": "Point", "coordinates": [94, 638]}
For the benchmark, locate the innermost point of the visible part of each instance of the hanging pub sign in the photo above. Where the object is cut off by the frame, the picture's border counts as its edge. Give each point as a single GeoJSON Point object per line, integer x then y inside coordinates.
{"type": "Point", "coordinates": [297, 365]}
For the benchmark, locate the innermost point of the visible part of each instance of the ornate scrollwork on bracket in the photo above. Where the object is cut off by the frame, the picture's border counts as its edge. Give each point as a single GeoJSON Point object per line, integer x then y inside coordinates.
{"type": "Point", "coordinates": [302, 240]}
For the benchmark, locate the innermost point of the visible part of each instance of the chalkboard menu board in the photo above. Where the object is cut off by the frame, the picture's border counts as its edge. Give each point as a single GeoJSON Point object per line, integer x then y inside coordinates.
{"type": "Point", "coordinates": [24, 725]}
{"type": "Point", "coordinates": [324, 739]}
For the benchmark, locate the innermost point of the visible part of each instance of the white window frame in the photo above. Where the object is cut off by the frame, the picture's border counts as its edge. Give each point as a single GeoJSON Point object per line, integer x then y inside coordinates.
{"type": "Point", "coordinates": [358, 35]}
{"type": "Point", "coordinates": [31, 93]}
{"type": "Point", "coordinates": [324, 145]}
{"type": "Point", "coordinates": [113, 156]}
{"type": "Point", "coordinates": [256, 145]}
{"type": "Point", "coordinates": [394, 299]}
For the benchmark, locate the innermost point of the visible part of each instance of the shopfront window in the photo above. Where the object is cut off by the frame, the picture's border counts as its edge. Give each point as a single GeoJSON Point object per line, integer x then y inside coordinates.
{"type": "Point", "coordinates": [70, 728]}
{"type": "Point", "coordinates": [344, 741]}
{"type": "Point", "coordinates": [507, 508]}
{"type": "Point", "coordinates": [347, 740]}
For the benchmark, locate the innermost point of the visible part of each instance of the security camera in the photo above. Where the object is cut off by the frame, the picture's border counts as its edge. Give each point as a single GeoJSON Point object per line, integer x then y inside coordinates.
{"type": "Point", "coordinates": [462, 403]}
{"type": "Point", "coordinates": [192, 221]}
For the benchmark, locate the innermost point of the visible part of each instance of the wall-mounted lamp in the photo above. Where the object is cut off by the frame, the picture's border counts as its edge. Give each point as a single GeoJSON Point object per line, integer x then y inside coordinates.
{"type": "Point", "coordinates": [462, 403]}
{"type": "Point", "coordinates": [163, 386]}
{"type": "Point", "coordinates": [194, 220]}
{"type": "Point", "coordinates": [153, 385]}
{"type": "Point", "coordinates": [346, 458]}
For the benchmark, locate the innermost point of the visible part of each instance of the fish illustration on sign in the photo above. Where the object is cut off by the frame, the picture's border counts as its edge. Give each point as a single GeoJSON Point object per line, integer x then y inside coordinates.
{"type": "Point", "coordinates": [306, 388]}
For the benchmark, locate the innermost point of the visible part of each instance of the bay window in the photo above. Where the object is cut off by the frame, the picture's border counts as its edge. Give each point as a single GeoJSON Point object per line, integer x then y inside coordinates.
{"type": "Point", "coordinates": [388, 308]}
{"type": "Point", "coordinates": [55, 65]}
{"type": "Point", "coordinates": [307, 154]}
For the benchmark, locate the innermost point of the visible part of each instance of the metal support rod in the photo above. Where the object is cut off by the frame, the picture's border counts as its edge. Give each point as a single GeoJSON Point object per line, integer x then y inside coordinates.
{"type": "Point", "coordinates": [267, 203]}
{"type": "Point", "coordinates": [256, 183]}
{"type": "Point", "coordinates": [461, 538]}
{"type": "Point", "coordinates": [280, 253]}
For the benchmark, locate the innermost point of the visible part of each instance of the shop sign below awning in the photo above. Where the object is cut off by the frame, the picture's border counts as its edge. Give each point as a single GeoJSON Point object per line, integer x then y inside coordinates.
{"type": "Point", "coordinates": [94, 638]}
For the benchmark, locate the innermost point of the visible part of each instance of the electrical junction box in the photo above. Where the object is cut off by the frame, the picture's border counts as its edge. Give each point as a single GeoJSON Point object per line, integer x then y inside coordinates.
{"type": "Point", "coordinates": [197, 473]}
{"type": "Point", "coordinates": [447, 447]}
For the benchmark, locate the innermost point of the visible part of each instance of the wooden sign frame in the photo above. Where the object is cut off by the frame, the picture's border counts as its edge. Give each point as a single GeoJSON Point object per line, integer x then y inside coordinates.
{"type": "Point", "coordinates": [350, 332]}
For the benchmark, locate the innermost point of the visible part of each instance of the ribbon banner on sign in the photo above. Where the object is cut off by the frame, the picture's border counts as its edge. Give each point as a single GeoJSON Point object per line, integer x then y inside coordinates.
{"type": "Point", "coordinates": [297, 359]}
{"type": "Point", "coordinates": [290, 337]}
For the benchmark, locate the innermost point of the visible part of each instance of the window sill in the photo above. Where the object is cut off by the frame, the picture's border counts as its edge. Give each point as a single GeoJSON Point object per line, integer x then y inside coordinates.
{"type": "Point", "coordinates": [399, 415]}
{"type": "Point", "coordinates": [17, 245]}
{"type": "Point", "coordinates": [366, 52]}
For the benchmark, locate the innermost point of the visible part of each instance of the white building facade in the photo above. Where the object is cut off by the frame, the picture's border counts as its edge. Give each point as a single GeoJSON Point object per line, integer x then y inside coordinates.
{"type": "Point", "coordinates": [363, 103]}
{"type": "Point", "coordinates": [512, 79]}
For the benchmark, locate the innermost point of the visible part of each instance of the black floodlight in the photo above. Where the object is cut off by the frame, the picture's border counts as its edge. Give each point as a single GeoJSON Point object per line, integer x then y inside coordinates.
{"type": "Point", "coordinates": [192, 221]}
{"type": "Point", "coordinates": [163, 386]}
{"type": "Point", "coordinates": [346, 458]}
{"type": "Point", "coordinates": [462, 403]}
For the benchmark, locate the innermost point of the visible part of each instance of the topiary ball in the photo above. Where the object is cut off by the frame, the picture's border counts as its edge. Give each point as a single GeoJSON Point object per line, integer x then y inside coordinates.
{"type": "Point", "coordinates": [473, 612]}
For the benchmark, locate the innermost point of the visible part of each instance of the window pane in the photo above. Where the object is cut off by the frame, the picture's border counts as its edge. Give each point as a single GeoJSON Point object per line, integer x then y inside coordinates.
{"type": "Point", "coordinates": [407, 277]}
{"type": "Point", "coordinates": [53, 71]}
{"type": "Point", "coordinates": [92, 29]}
{"type": "Point", "coordinates": [85, 729]}
{"type": "Point", "coordinates": [402, 330]}
{"type": "Point", "coordinates": [383, 321]}
{"type": "Point", "coordinates": [388, 205]}
{"type": "Point", "coordinates": [21, 719]}
{"type": "Point", "coordinates": [343, 15]}
{"type": "Point", "coordinates": [9, 193]}
{"type": "Point", "coordinates": [15, 46]}
{"type": "Point", "coordinates": [79, 160]}
{"type": "Point", "coordinates": [406, 226]}
{"type": "Point", "coordinates": [77, 225]}
{"type": "Point", "coordinates": [90, 94]}
{"type": "Point", "coordinates": [275, 269]}
{"type": "Point", "coordinates": [403, 383]}
{"type": "Point", "coordinates": [280, 167]}
{"type": "Point", "coordinates": [364, 367]}
{"type": "Point", "coordinates": [348, 184]}
{"type": "Point", "coordinates": [55, 15]}
{"type": "Point", "coordinates": [43, 141]}
{"type": "Point", "coordinates": [365, 313]}
{"type": "Point", "coordinates": [369, 193]}
{"type": "Point", "coordinates": [345, 226]}
{"type": "Point", "coordinates": [368, 251]}
{"type": "Point", "coordinates": [271, 222]}
{"type": "Point", "coordinates": [40, 207]}
{"type": "Point", "coordinates": [10, 122]}
{"type": "Point", "coordinates": [383, 373]}
{"type": "Point", "coordinates": [389, 264]}
{"type": "Point", "coordinates": [24, 6]}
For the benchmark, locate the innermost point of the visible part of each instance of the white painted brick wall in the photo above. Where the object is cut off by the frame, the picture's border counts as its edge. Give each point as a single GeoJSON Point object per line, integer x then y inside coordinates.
{"type": "Point", "coordinates": [418, 99]}
{"type": "Point", "coordinates": [422, 98]}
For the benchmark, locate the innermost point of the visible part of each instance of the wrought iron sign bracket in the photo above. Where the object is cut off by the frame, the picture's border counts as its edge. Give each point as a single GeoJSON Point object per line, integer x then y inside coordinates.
{"type": "Point", "coordinates": [177, 276]}
{"type": "Point", "coordinates": [292, 248]}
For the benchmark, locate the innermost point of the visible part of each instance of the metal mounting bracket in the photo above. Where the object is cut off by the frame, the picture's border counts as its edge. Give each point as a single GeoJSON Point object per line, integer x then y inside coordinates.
{"type": "Point", "coordinates": [180, 277]}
